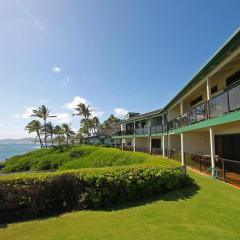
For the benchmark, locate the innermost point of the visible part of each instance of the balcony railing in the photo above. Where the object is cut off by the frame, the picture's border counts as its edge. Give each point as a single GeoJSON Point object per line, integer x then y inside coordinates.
{"type": "Point", "coordinates": [142, 131]}
{"type": "Point", "coordinates": [226, 102]}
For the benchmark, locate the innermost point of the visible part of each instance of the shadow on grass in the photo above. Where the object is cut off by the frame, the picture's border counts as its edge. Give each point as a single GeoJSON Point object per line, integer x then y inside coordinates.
{"type": "Point", "coordinates": [185, 194]}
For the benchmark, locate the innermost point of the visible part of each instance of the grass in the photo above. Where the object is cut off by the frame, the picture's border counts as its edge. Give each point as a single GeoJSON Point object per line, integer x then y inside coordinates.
{"type": "Point", "coordinates": [79, 157]}
{"type": "Point", "coordinates": [209, 210]}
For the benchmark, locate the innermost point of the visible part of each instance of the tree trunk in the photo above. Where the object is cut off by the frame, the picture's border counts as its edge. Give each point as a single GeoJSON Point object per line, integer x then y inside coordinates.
{"type": "Point", "coordinates": [52, 139]}
{"type": "Point", "coordinates": [45, 130]}
{"type": "Point", "coordinates": [40, 140]}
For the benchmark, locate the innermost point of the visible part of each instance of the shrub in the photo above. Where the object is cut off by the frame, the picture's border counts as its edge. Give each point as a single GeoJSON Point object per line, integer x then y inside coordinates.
{"type": "Point", "coordinates": [37, 194]}
{"type": "Point", "coordinates": [84, 156]}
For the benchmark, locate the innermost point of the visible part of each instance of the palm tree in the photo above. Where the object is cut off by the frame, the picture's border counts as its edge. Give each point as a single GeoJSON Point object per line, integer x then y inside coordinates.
{"type": "Point", "coordinates": [43, 112]}
{"type": "Point", "coordinates": [112, 119]}
{"type": "Point", "coordinates": [59, 132]}
{"type": "Point", "coordinates": [79, 136]}
{"type": "Point", "coordinates": [67, 131]}
{"type": "Point", "coordinates": [83, 110]}
{"type": "Point", "coordinates": [35, 126]}
{"type": "Point", "coordinates": [95, 124]}
{"type": "Point", "coordinates": [50, 130]}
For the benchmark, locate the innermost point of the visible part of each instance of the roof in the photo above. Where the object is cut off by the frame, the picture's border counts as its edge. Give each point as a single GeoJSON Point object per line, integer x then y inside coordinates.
{"type": "Point", "coordinates": [142, 116]}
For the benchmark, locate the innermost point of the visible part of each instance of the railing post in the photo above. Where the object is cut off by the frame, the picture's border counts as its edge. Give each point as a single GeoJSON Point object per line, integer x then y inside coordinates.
{"type": "Point", "coordinates": [223, 168]}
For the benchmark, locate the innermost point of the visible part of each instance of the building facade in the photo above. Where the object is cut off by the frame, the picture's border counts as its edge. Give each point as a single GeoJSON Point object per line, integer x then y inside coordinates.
{"type": "Point", "coordinates": [200, 126]}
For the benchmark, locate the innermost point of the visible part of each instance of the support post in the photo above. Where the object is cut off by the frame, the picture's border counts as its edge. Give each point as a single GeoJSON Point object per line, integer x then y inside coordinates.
{"type": "Point", "coordinates": [212, 148]}
{"type": "Point", "coordinates": [150, 145]}
{"type": "Point", "coordinates": [169, 145]}
{"type": "Point", "coordinates": [208, 89]}
{"type": "Point", "coordinates": [115, 143]}
{"type": "Point", "coordinates": [182, 150]}
{"type": "Point", "coordinates": [134, 144]}
{"type": "Point", "coordinates": [122, 144]}
{"type": "Point", "coordinates": [163, 145]}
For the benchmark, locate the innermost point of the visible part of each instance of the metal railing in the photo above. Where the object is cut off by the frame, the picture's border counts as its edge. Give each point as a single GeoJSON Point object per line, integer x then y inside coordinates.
{"type": "Point", "coordinates": [128, 148]}
{"type": "Point", "coordinates": [142, 149]}
{"type": "Point", "coordinates": [226, 102]}
{"type": "Point", "coordinates": [156, 151]}
{"type": "Point", "coordinates": [228, 170]}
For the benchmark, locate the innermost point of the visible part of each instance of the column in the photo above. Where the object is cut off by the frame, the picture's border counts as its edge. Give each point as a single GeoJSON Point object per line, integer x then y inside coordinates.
{"type": "Point", "coordinates": [181, 107]}
{"type": "Point", "coordinates": [115, 143]}
{"type": "Point", "coordinates": [182, 150]}
{"type": "Point", "coordinates": [150, 145]}
{"type": "Point", "coordinates": [163, 145]}
{"type": "Point", "coordinates": [122, 143]}
{"type": "Point", "coordinates": [208, 89]}
{"type": "Point", "coordinates": [169, 145]}
{"type": "Point", "coordinates": [212, 149]}
{"type": "Point", "coordinates": [134, 144]}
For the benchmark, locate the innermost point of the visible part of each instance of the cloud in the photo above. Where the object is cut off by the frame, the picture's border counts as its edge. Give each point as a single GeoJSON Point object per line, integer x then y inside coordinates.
{"type": "Point", "coordinates": [76, 100]}
{"type": "Point", "coordinates": [28, 111]}
{"type": "Point", "coordinates": [61, 118]}
{"type": "Point", "coordinates": [120, 112]}
{"type": "Point", "coordinates": [29, 14]}
{"type": "Point", "coordinates": [96, 112]}
{"type": "Point", "coordinates": [56, 69]}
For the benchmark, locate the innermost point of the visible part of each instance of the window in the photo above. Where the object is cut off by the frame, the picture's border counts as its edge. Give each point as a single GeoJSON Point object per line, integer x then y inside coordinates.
{"type": "Point", "coordinates": [196, 100]}
{"type": "Point", "coordinates": [233, 78]}
{"type": "Point", "coordinates": [214, 89]}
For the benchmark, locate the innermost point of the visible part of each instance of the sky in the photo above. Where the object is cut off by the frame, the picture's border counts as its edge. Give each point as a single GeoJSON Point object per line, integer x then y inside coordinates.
{"type": "Point", "coordinates": [116, 55]}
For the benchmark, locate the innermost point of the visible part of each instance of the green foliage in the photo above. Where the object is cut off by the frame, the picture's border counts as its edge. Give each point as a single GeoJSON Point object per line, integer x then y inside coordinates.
{"type": "Point", "coordinates": [83, 156]}
{"type": "Point", "coordinates": [36, 194]}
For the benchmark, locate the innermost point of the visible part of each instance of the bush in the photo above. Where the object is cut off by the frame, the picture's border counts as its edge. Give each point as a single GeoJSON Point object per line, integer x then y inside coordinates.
{"type": "Point", "coordinates": [84, 156]}
{"type": "Point", "coordinates": [38, 194]}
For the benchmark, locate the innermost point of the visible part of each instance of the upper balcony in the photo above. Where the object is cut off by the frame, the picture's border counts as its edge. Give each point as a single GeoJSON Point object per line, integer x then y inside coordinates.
{"type": "Point", "coordinates": [226, 102]}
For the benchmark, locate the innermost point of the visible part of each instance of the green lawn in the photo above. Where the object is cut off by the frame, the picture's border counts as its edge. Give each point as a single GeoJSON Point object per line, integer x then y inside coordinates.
{"type": "Point", "coordinates": [209, 211]}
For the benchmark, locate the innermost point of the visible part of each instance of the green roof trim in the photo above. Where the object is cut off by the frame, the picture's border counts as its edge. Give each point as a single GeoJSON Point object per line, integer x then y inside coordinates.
{"type": "Point", "coordinates": [226, 118]}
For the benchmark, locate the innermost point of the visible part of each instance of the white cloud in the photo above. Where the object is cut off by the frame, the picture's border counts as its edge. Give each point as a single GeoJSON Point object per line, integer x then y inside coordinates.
{"type": "Point", "coordinates": [28, 111]}
{"type": "Point", "coordinates": [56, 69]}
{"type": "Point", "coordinates": [76, 100]}
{"type": "Point", "coordinates": [61, 118]}
{"type": "Point", "coordinates": [96, 112]}
{"type": "Point", "coordinates": [120, 112]}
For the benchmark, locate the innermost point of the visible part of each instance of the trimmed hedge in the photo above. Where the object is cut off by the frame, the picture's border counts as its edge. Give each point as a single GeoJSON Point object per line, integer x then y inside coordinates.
{"type": "Point", "coordinates": [37, 194]}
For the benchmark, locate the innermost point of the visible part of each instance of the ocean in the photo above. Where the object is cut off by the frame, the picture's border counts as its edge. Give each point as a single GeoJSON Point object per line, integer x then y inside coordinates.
{"type": "Point", "coordinates": [9, 150]}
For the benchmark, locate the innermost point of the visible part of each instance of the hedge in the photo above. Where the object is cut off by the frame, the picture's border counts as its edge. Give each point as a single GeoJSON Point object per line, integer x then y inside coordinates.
{"type": "Point", "coordinates": [32, 195]}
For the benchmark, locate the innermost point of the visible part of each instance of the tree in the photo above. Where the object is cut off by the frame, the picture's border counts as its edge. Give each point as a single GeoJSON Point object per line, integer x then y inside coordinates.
{"type": "Point", "coordinates": [59, 132]}
{"type": "Point", "coordinates": [44, 113]}
{"type": "Point", "coordinates": [83, 111]}
{"type": "Point", "coordinates": [50, 130]}
{"type": "Point", "coordinates": [67, 131]}
{"type": "Point", "coordinates": [35, 126]}
{"type": "Point", "coordinates": [112, 119]}
{"type": "Point", "coordinates": [79, 137]}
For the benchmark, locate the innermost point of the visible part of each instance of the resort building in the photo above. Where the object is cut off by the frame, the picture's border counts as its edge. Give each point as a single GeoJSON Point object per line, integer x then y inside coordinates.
{"type": "Point", "coordinates": [200, 126]}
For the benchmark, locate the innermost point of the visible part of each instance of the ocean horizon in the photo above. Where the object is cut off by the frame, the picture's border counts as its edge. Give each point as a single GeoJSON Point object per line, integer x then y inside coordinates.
{"type": "Point", "coordinates": [11, 149]}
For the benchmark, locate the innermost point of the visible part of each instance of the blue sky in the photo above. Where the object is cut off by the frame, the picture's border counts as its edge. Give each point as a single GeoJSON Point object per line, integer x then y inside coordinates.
{"type": "Point", "coordinates": [113, 54]}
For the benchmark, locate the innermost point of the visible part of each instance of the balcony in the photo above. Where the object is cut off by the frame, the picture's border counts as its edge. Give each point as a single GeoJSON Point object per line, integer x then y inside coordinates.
{"type": "Point", "coordinates": [226, 102]}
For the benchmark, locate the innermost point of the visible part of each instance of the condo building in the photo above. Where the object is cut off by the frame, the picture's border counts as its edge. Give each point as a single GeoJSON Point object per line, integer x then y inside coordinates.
{"type": "Point", "coordinates": [200, 126]}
